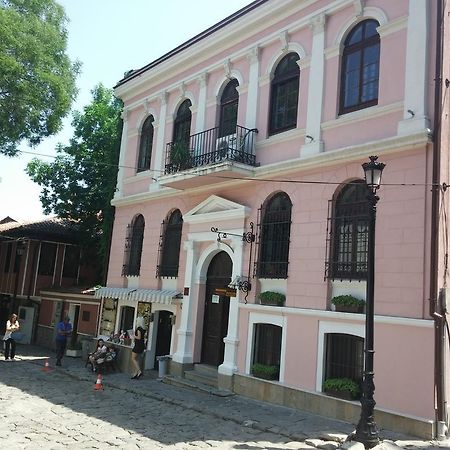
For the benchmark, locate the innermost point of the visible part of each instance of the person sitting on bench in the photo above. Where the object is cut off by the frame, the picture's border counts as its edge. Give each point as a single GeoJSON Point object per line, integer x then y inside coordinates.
{"type": "Point", "coordinates": [99, 355]}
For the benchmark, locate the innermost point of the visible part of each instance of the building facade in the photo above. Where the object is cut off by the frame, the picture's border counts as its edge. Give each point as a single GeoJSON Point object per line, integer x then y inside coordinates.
{"type": "Point", "coordinates": [240, 169]}
{"type": "Point", "coordinates": [42, 278]}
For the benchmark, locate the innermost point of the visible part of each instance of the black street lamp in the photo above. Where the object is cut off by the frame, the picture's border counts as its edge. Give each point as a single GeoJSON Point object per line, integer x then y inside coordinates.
{"type": "Point", "coordinates": [366, 430]}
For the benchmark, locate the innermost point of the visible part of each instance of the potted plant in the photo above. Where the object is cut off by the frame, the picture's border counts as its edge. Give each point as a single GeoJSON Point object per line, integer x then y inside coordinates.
{"type": "Point", "coordinates": [180, 156]}
{"type": "Point", "coordinates": [348, 303]}
{"type": "Point", "coordinates": [272, 298]}
{"type": "Point", "coordinates": [344, 388]}
{"type": "Point", "coordinates": [74, 350]}
{"type": "Point", "coordinates": [265, 372]}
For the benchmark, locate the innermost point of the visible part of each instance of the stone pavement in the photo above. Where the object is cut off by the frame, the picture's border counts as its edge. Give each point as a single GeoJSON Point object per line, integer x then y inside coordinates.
{"type": "Point", "coordinates": [313, 430]}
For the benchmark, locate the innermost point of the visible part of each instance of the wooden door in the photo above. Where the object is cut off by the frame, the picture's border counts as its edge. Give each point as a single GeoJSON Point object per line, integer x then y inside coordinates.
{"type": "Point", "coordinates": [215, 322]}
{"type": "Point", "coordinates": [164, 334]}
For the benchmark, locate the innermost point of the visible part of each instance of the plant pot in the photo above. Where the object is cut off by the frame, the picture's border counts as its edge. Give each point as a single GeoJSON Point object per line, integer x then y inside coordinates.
{"type": "Point", "coordinates": [269, 303]}
{"type": "Point", "coordinates": [266, 376]}
{"type": "Point", "coordinates": [344, 395]}
{"type": "Point", "coordinates": [349, 308]}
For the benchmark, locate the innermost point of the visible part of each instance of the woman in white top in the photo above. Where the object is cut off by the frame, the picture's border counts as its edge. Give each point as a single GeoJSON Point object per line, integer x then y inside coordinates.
{"type": "Point", "coordinates": [12, 325]}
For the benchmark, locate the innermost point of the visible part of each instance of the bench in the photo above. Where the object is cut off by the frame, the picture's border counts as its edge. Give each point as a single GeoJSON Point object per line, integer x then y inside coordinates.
{"type": "Point", "coordinates": [107, 363]}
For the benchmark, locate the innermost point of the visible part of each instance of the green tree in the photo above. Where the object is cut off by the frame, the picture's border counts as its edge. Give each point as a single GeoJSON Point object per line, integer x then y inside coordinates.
{"type": "Point", "coordinates": [37, 78]}
{"type": "Point", "coordinates": [80, 183]}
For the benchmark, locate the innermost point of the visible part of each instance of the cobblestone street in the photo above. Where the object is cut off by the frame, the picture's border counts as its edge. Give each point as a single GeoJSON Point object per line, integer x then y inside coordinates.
{"type": "Point", "coordinates": [60, 409]}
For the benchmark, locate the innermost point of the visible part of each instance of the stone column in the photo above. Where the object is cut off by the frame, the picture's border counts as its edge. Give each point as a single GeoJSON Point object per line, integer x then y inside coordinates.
{"type": "Point", "coordinates": [253, 88]}
{"type": "Point", "coordinates": [123, 147]}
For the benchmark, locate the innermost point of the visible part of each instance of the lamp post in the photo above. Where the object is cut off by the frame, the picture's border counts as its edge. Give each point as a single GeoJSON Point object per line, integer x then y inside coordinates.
{"type": "Point", "coordinates": [17, 263]}
{"type": "Point", "coordinates": [366, 430]}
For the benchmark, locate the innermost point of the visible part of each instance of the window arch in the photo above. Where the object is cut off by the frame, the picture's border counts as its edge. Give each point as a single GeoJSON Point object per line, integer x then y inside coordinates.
{"type": "Point", "coordinates": [133, 246]}
{"type": "Point", "coordinates": [145, 145]}
{"type": "Point", "coordinates": [170, 241]}
{"type": "Point", "coordinates": [360, 67]}
{"type": "Point", "coordinates": [229, 102]}
{"type": "Point", "coordinates": [349, 233]}
{"type": "Point", "coordinates": [182, 124]}
{"type": "Point", "coordinates": [275, 230]}
{"type": "Point", "coordinates": [284, 95]}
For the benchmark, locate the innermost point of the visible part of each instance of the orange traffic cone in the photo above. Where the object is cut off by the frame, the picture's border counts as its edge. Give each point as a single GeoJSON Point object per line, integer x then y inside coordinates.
{"type": "Point", "coordinates": [98, 385]}
{"type": "Point", "coordinates": [46, 367]}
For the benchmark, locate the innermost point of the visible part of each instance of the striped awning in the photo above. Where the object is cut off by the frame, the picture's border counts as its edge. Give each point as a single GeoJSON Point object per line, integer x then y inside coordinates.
{"type": "Point", "coordinates": [164, 296]}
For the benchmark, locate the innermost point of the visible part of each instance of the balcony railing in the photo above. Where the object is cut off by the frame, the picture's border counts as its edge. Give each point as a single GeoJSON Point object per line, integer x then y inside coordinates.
{"type": "Point", "coordinates": [207, 148]}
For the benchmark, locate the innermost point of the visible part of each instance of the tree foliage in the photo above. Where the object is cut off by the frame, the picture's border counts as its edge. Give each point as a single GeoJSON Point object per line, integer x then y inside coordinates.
{"type": "Point", "coordinates": [80, 183]}
{"type": "Point", "coordinates": [37, 78]}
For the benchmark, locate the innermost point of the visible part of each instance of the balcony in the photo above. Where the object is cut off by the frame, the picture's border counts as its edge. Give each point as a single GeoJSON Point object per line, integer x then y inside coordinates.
{"type": "Point", "coordinates": [208, 158]}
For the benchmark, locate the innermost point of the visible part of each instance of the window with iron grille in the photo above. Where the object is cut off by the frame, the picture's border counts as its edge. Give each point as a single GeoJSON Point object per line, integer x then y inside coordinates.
{"type": "Point", "coordinates": [284, 95]}
{"type": "Point", "coordinates": [182, 124]}
{"type": "Point", "coordinates": [145, 145]}
{"type": "Point", "coordinates": [360, 67]}
{"type": "Point", "coordinates": [71, 261]}
{"type": "Point", "coordinates": [229, 102]}
{"type": "Point", "coordinates": [47, 259]}
{"type": "Point", "coordinates": [267, 345]}
{"type": "Point", "coordinates": [170, 241]}
{"type": "Point", "coordinates": [344, 356]}
{"type": "Point", "coordinates": [348, 233]}
{"type": "Point", "coordinates": [133, 247]}
{"type": "Point", "coordinates": [274, 239]}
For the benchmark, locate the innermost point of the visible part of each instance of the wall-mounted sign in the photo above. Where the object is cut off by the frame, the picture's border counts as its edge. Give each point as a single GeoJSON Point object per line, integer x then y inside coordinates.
{"type": "Point", "coordinates": [215, 299]}
{"type": "Point", "coordinates": [227, 292]}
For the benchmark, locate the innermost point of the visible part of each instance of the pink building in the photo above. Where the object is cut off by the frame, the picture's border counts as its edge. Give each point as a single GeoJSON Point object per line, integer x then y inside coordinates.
{"type": "Point", "coordinates": [258, 127]}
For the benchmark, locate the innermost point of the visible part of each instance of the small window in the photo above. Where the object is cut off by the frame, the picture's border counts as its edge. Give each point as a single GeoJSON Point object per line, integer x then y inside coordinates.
{"type": "Point", "coordinates": [275, 230]}
{"type": "Point", "coordinates": [86, 316]}
{"type": "Point", "coordinates": [229, 102]}
{"type": "Point", "coordinates": [170, 245]}
{"type": "Point", "coordinates": [47, 259]}
{"type": "Point", "coordinates": [145, 145]}
{"type": "Point", "coordinates": [71, 261]}
{"type": "Point", "coordinates": [344, 356]}
{"type": "Point", "coordinates": [267, 345]}
{"type": "Point", "coordinates": [360, 67]}
{"type": "Point", "coordinates": [133, 247]}
{"type": "Point", "coordinates": [284, 95]}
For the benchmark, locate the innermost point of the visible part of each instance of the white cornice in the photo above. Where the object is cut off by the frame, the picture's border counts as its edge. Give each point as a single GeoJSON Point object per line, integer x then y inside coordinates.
{"type": "Point", "coordinates": [236, 32]}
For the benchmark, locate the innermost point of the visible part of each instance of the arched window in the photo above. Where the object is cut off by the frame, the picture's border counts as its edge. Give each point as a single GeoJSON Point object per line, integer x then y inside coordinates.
{"type": "Point", "coordinates": [133, 247]}
{"type": "Point", "coordinates": [229, 102]}
{"type": "Point", "coordinates": [145, 145]}
{"type": "Point", "coordinates": [275, 230]}
{"type": "Point", "coordinates": [170, 241]}
{"type": "Point", "coordinates": [284, 95]}
{"type": "Point", "coordinates": [349, 233]}
{"type": "Point", "coordinates": [182, 125]}
{"type": "Point", "coordinates": [360, 67]}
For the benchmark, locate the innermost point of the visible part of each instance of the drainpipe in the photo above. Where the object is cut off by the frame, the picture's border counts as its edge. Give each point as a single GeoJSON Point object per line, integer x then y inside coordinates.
{"type": "Point", "coordinates": [436, 304]}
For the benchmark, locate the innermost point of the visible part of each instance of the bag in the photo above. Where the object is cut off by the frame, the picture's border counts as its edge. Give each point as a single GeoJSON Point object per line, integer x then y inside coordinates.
{"type": "Point", "coordinates": [17, 336]}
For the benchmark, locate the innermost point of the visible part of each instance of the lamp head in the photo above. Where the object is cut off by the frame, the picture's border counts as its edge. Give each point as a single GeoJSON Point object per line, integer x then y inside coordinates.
{"type": "Point", "coordinates": [372, 173]}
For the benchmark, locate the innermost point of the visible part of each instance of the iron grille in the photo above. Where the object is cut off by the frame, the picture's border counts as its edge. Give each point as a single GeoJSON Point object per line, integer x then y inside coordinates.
{"type": "Point", "coordinates": [169, 246]}
{"type": "Point", "coordinates": [133, 248]}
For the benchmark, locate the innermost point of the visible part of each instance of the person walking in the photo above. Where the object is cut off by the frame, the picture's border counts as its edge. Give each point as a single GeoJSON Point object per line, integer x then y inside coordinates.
{"type": "Point", "coordinates": [138, 350]}
{"type": "Point", "coordinates": [12, 325]}
{"type": "Point", "coordinates": [63, 330]}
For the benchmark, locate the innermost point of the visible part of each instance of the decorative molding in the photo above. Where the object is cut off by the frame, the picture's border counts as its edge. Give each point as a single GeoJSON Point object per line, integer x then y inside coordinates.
{"type": "Point", "coordinates": [358, 6]}
{"type": "Point", "coordinates": [253, 55]}
{"type": "Point", "coordinates": [163, 97]}
{"type": "Point", "coordinates": [125, 114]}
{"type": "Point", "coordinates": [284, 40]}
{"type": "Point", "coordinates": [227, 68]}
{"type": "Point", "coordinates": [333, 51]}
{"type": "Point", "coordinates": [393, 26]}
{"type": "Point", "coordinates": [304, 63]}
{"type": "Point", "coordinates": [203, 79]}
{"type": "Point", "coordinates": [182, 89]}
{"type": "Point", "coordinates": [317, 23]}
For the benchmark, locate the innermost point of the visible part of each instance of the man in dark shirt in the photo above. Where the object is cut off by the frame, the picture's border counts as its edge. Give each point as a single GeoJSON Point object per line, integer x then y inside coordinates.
{"type": "Point", "coordinates": [63, 330]}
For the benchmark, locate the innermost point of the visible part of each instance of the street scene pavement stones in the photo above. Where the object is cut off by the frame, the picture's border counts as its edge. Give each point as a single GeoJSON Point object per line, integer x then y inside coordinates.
{"type": "Point", "coordinates": [147, 413]}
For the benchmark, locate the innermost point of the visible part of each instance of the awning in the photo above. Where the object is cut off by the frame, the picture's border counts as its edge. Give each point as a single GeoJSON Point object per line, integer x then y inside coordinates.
{"type": "Point", "coordinates": [164, 296]}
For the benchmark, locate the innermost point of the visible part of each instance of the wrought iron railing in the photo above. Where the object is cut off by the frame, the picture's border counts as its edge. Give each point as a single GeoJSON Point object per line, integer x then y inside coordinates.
{"type": "Point", "coordinates": [207, 148]}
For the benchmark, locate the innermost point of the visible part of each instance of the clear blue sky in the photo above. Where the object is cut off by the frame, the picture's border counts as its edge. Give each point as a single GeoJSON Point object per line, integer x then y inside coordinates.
{"type": "Point", "coordinates": [109, 37]}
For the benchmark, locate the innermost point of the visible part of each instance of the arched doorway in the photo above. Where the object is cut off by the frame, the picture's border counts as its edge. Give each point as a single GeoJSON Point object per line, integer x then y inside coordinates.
{"type": "Point", "coordinates": [215, 322]}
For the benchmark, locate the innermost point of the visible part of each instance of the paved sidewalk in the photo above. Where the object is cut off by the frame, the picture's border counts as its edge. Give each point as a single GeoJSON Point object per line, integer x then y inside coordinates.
{"type": "Point", "coordinates": [297, 425]}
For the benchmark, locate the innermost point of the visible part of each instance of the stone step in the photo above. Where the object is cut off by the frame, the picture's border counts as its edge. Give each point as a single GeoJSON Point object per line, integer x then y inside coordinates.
{"type": "Point", "coordinates": [205, 369]}
{"type": "Point", "coordinates": [201, 377]}
{"type": "Point", "coordinates": [190, 384]}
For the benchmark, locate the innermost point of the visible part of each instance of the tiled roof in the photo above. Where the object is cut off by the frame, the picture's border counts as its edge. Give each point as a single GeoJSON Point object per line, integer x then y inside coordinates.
{"type": "Point", "coordinates": [51, 229]}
